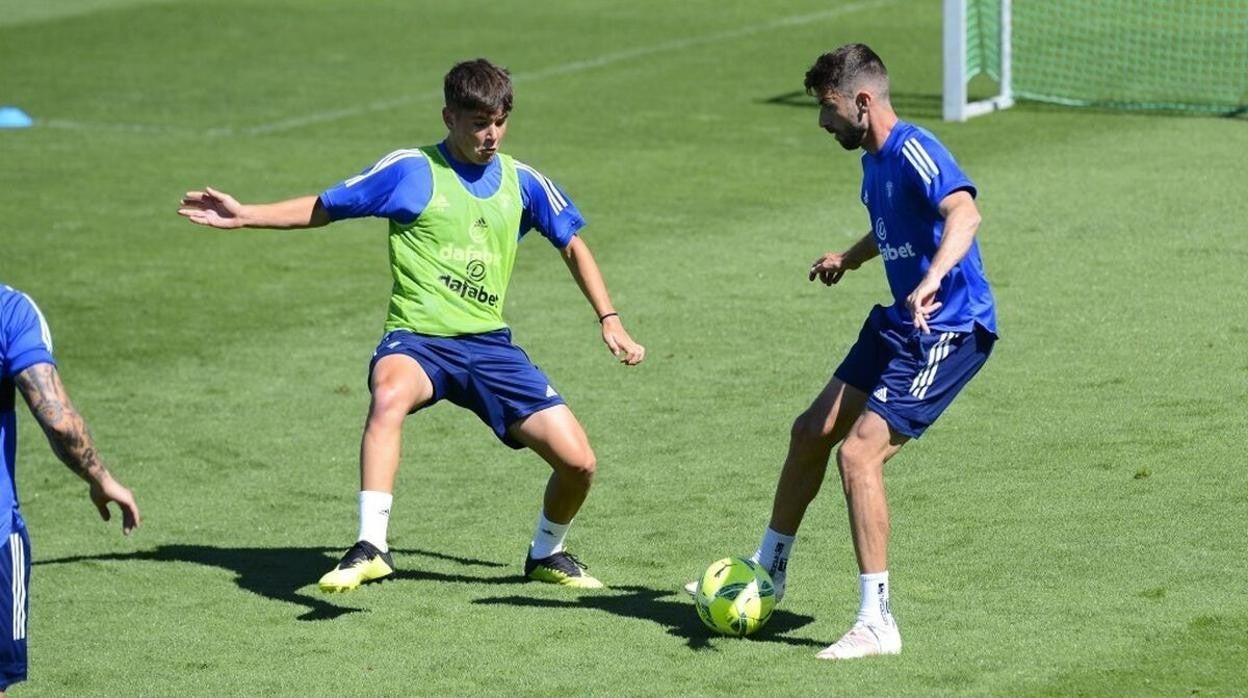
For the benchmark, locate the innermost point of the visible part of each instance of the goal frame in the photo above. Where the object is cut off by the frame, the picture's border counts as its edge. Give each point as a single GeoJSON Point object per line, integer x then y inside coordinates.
{"type": "Point", "coordinates": [955, 104]}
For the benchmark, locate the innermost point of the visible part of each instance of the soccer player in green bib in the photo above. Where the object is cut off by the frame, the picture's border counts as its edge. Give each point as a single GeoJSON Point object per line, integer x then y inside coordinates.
{"type": "Point", "coordinates": [457, 211]}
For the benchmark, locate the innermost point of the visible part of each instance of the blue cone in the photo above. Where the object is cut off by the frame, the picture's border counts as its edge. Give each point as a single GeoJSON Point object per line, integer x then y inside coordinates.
{"type": "Point", "coordinates": [12, 117]}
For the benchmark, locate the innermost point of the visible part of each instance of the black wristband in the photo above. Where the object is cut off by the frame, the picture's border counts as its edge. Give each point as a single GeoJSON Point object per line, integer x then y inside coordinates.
{"type": "Point", "coordinates": [604, 317]}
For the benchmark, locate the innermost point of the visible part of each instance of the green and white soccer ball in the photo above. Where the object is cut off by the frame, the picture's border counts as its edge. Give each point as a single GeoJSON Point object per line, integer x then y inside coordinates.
{"type": "Point", "coordinates": [735, 596]}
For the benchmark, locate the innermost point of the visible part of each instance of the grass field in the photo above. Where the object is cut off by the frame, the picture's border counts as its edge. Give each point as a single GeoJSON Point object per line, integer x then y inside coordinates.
{"type": "Point", "coordinates": [1074, 525]}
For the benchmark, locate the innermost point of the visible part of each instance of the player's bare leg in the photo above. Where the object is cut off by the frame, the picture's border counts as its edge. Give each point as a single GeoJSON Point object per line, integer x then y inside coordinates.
{"type": "Point", "coordinates": [861, 458]}
{"type": "Point", "coordinates": [555, 434]}
{"type": "Point", "coordinates": [814, 433]}
{"type": "Point", "coordinates": [861, 461]}
{"type": "Point", "coordinates": [398, 385]}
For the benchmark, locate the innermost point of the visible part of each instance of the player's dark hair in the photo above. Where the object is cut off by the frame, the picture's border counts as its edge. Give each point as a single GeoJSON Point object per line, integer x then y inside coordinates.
{"type": "Point", "coordinates": [843, 69]}
{"type": "Point", "coordinates": [478, 85]}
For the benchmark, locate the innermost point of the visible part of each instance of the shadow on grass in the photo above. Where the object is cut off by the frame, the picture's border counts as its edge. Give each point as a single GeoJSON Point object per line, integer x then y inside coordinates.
{"type": "Point", "coordinates": [917, 105]}
{"type": "Point", "coordinates": [280, 573]}
{"type": "Point", "coordinates": [912, 105]}
{"type": "Point", "coordinates": [677, 616]}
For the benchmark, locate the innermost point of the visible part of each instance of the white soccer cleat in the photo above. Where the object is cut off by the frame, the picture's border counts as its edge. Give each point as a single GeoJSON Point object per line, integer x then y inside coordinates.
{"type": "Point", "coordinates": [864, 640]}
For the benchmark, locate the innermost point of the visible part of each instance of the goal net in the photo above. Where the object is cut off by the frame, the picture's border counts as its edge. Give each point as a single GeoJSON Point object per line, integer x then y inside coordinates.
{"type": "Point", "coordinates": [1166, 55]}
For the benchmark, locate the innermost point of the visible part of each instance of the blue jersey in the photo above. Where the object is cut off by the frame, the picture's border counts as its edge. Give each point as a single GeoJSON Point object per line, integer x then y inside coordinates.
{"type": "Point", "coordinates": [902, 187]}
{"type": "Point", "coordinates": [24, 342]}
{"type": "Point", "coordinates": [399, 186]}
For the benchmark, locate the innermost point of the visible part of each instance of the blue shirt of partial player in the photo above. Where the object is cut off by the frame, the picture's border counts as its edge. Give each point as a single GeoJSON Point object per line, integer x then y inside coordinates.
{"type": "Point", "coordinates": [902, 187]}
{"type": "Point", "coordinates": [400, 185]}
{"type": "Point", "coordinates": [24, 342]}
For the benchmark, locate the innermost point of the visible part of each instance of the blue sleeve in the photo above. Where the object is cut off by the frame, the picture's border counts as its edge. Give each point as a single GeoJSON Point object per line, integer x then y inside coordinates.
{"type": "Point", "coordinates": [397, 187]}
{"type": "Point", "coordinates": [932, 169]}
{"type": "Point", "coordinates": [547, 208]}
{"type": "Point", "coordinates": [26, 338]}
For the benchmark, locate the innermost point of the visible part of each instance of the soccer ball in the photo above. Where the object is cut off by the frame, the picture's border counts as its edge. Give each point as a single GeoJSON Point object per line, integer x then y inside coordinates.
{"type": "Point", "coordinates": [735, 596]}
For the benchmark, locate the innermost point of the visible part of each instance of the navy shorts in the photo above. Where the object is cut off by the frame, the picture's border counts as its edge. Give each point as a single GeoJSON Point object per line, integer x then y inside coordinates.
{"type": "Point", "coordinates": [14, 605]}
{"type": "Point", "coordinates": [484, 373]}
{"type": "Point", "coordinates": [910, 377]}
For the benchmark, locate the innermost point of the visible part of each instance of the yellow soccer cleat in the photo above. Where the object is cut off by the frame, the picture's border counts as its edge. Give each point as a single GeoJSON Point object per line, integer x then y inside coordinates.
{"type": "Point", "coordinates": [362, 563]}
{"type": "Point", "coordinates": [561, 568]}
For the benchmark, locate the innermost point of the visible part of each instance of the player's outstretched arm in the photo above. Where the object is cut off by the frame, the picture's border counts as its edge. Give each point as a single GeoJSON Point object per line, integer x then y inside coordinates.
{"type": "Point", "coordinates": [588, 276]}
{"type": "Point", "coordinates": [217, 209]}
{"type": "Point", "coordinates": [961, 223]}
{"type": "Point", "coordinates": [67, 433]}
{"type": "Point", "coordinates": [832, 266]}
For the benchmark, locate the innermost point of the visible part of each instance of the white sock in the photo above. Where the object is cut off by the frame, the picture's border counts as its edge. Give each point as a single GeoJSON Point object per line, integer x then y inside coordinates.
{"type": "Point", "coordinates": [548, 538]}
{"type": "Point", "coordinates": [375, 517]}
{"type": "Point", "coordinates": [773, 552]}
{"type": "Point", "coordinates": [873, 607]}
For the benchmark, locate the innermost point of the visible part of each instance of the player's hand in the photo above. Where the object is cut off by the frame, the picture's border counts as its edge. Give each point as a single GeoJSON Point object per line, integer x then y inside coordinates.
{"type": "Point", "coordinates": [106, 490]}
{"type": "Point", "coordinates": [831, 267]}
{"type": "Point", "coordinates": [922, 303]}
{"type": "Point", "coordinates": [212, 208]}
{"type": "Point", "coordinates": [617, 340]}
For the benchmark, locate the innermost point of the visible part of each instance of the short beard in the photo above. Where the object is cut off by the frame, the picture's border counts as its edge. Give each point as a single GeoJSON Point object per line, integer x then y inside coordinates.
{"type": "Point", "coordinates": [852, 140]}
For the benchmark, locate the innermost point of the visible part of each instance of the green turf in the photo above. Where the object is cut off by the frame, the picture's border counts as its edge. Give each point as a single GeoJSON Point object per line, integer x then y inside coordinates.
{"type": "Point", "coordinates": [1073, 525]}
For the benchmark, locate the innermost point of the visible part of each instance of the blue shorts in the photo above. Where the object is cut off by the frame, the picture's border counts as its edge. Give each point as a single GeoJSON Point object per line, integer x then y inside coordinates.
{"type": "Point", "coordinates": [910, 377]}
{"type": "Point", "coordinates": [14, 605]}
{"type": "Point", "coordinates": [485, 373]}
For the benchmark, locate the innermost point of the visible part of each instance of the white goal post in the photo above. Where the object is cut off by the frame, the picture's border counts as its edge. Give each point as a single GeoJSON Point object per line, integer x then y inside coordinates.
{"type": "Point", "coordinates": [1173, 56]}
{"type": "Point", "coordinates": [963, 61]}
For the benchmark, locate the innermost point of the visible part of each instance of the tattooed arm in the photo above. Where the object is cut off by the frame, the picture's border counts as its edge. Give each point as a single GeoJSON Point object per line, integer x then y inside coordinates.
{"type": "Point", "coordinates": [67, 433]}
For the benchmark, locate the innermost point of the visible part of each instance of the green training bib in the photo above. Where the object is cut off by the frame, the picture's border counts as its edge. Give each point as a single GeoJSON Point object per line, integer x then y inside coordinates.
{"type": "Point", "coordinates": [451, 265]}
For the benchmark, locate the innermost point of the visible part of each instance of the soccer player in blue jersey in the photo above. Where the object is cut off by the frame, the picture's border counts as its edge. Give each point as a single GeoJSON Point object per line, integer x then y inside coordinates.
{"type": "Point", "coordinates": [456, 212]}
{"type": "Point", "coordinates": [912, 357]}
{"type": "Point", "coordinates": [26, 364]}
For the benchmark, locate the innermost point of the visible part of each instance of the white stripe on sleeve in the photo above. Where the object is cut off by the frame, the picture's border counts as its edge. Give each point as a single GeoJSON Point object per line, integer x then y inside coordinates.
{"type": "Point", "coordinates": [45, 334]}
{"type": "Point", "coordinates": [384, 163]}
{"type": "Point", "coordinates": [919, 158]}
{"type": "Point", "coordinates": [557, 202]}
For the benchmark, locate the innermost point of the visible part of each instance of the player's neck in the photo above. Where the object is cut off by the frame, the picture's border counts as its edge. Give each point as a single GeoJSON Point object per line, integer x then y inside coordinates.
{"type": "Point", "coordinates": [459, 157]}
{"type": "Point", "coordinates": [882, 119]}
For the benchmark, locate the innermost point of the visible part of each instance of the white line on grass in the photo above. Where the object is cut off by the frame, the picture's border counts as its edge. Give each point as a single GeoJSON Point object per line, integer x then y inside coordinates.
{"type": "Point", "coordinates": [331, 115]}
{"type": "Point", "coordinates": [571, 67]}
{"type": "Point", "coordinates": [73, 125]}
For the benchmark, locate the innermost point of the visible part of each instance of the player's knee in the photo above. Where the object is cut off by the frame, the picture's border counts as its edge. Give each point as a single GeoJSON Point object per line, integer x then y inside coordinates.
{"type": "Point", "coordinates": [855, 461]}
{"type": "Point", "coordinates": [581, 466]}
{"type": "Point", "coordinates": [807, 429]}
{"type": "Point", "coordinates": [390, 403]}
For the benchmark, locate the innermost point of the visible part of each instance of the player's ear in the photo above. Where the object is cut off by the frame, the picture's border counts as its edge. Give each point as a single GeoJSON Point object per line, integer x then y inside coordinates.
{"type": "Point", "coordinates": [448, 117]}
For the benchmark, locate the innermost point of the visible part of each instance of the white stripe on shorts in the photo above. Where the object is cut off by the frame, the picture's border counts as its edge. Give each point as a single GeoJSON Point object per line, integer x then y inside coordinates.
{"type": "Point", "coordinates": [935, 355]}
{"type": "Point", "coordinates": [17, 553]}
